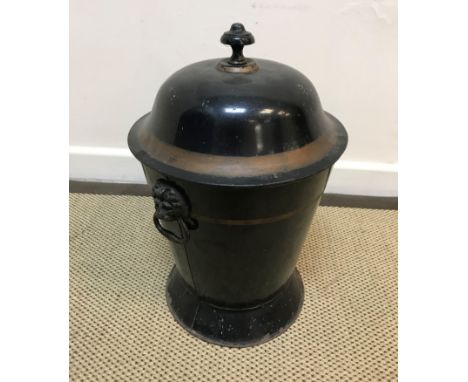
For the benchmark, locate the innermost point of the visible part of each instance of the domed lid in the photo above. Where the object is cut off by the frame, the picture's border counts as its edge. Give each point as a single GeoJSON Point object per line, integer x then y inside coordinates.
{"type": "Point", "coordinates": [237, 121]}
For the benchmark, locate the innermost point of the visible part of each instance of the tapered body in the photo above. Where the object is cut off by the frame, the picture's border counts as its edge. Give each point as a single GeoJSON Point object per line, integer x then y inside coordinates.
{"type": "Point", "coordinates": [247, 240]}
{"type": "Point", "coordinates": [237, 153]}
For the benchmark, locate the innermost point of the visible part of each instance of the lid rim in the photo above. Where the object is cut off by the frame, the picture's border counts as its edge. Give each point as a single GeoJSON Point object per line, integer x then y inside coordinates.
{"type": "Point", "coordinates": [326, 161]}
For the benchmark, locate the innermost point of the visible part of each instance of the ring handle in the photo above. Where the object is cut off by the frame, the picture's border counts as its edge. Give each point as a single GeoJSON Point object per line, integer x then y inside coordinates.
{"type": "Point", "coordinates": [171, 204]}
{"type": "Point", "coordinates": [182, 239]}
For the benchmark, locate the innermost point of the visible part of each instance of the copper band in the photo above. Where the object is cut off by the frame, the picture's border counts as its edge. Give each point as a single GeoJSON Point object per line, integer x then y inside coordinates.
{"type": "Point", "coordinates": [250, 67]}
{"type": "Point", "coordinates": [256, 221]}
{"type": "Point", "coordinates": [236, 166]}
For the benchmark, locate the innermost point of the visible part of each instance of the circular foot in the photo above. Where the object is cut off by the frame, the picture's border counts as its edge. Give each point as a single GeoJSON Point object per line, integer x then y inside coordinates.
{"type": "Point", "coordinates": [234, 328]}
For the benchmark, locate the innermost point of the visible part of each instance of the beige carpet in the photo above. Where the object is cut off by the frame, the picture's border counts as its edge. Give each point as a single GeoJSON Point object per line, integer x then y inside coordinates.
{"type": "Point", "coordinates": [121, 329]}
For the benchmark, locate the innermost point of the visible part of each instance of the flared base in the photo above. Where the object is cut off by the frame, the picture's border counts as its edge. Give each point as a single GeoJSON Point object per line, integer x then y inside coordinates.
{"type": "Point", "coordinates": [233, 327]}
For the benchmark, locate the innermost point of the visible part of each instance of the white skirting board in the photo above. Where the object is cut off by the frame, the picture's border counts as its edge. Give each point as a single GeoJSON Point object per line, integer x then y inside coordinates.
{"type": "Point", "coordinates": [107, 164]}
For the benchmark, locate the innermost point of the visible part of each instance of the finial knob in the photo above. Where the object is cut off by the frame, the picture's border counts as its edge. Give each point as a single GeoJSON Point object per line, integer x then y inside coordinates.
{"type": "Point", "coordinates": [237, 37]}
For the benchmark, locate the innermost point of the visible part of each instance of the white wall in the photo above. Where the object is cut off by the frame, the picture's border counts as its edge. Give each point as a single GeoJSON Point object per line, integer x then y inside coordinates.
{"type": "Point", "coordinates": [122, 50]}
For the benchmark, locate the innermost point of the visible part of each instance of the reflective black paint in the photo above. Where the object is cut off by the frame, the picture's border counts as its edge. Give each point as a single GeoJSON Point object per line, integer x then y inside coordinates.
{"type": "Point", "coordinates": [235, 282]}
{"type": "Point", "coordinates": [273, 110]}
{"type": "Point", "coordinates": [247, 240]}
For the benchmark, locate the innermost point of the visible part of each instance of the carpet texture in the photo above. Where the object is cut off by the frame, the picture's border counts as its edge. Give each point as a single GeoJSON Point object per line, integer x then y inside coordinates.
{"type": "Point", "coordinates": [121, 329]}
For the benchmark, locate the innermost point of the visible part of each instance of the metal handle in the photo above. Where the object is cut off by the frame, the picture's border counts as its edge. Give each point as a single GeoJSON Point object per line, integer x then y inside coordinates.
{"type": "Point", "coordinates": [185, 235]}
{"type": "Point", "coordinates": [237, 37]}
{"type": "Point", "coordinates": [171, 205]}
